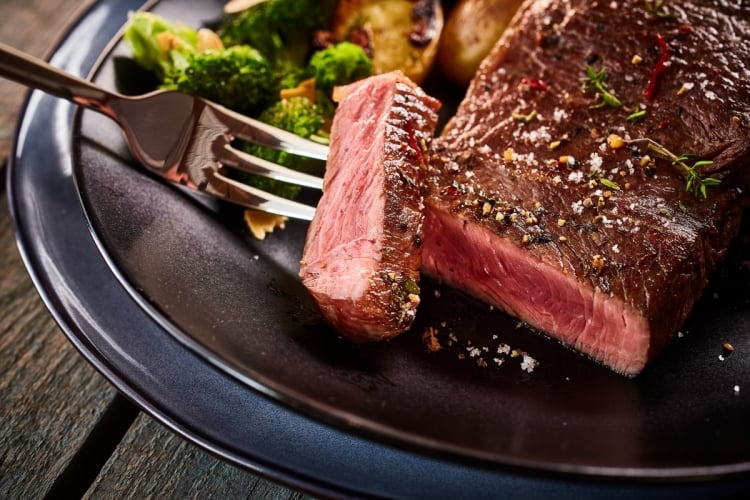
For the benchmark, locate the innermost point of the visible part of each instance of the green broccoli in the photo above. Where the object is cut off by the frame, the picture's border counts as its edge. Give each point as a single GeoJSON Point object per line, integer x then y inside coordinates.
{"type": "Point", "coordinates": [300, 116]}
{"type": "Point", "coordinates": [158, 45]}
{"type": "Point", "coordinates": [339, 64]}
{"type": "Point", "coordinates": [238, 77]}
{"type": "Point", "coordinates": [281, 30]}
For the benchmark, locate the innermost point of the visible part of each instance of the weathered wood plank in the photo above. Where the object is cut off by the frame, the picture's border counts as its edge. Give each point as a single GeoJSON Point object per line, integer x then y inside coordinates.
{"type": "Point", "coordinates": [32, 26]}
{"type": "Point", "coordinates": [152, 462]}
{"type": "Point", "coordinates": [50, 398]}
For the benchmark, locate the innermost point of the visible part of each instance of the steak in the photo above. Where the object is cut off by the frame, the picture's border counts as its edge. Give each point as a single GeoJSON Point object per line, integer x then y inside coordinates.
{"type": "Point", "coordinates": [559, 191]}
{"type": "Point", "coordinates": [363, 249]}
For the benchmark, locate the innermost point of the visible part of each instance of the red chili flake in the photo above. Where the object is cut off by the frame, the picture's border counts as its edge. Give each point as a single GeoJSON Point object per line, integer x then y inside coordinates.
{"type": "Point", "coordinates": [659, 68]}
{"type": "Point", "coordinates": [451, 190]}
{"type": "Point", "coordinates": [686, 29]}
{"type": "Point", "coordinates": [535, 84]}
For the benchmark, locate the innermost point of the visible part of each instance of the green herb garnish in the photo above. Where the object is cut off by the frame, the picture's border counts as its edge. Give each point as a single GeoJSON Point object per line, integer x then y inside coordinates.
{"type": "Point", "coordinates": [656, 9]}
{"type": "Point", "coordinates": [695, 182]}
{"type": "Point", "coordinates": [609, 184]}
{"type": "Point", "coordinates": [637, 115]}
{"type": "Point", "coordinates": [594, 81]}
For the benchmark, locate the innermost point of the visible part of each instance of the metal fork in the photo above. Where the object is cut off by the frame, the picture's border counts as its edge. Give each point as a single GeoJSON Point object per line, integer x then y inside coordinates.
{"type": "Point", "coordinates": [184, 139]}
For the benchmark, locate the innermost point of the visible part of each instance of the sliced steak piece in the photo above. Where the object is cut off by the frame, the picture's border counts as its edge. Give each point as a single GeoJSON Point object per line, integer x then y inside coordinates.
{"type": "Point", "coordinates": [549, 200]}
{"type": "Point", "coordinates": [363, 249]}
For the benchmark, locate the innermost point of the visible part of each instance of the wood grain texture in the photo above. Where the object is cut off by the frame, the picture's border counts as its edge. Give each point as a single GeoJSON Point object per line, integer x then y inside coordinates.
{"type": "Point", "coordinates": [152, 462]}
{"type": "Point", "coordinates": [50, 398]}
{"type": "Point", "coordinates": [43, 426]}
{"type": "Point", "coordinates": [32, 26]}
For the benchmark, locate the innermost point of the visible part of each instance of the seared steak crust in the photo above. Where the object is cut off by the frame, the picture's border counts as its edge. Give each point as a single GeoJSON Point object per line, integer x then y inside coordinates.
{"type": "Point", "coordinates": [565, 211]}
{"type": "Point", "coordinates": [363, 250]}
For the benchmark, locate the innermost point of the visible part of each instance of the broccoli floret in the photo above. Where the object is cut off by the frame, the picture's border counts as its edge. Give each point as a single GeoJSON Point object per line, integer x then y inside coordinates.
{"type": "Point", "coordinates": [280, 29]}
{"type": "Point", "coordinates": [339, 64]}
{"type": "Point", "coordinates": [158, 45]}
{"type": "Point", "coordinates": [300, 116]}
{"type": "Point", "coordinates": [238, 77]}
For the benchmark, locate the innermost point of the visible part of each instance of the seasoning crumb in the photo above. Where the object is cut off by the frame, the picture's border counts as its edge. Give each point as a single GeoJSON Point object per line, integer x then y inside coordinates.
{"type": "Point", "coordinates": [685, 87]}
{"type": "Point", "coordinates": [736, 389]}
{"type": "Point", "coordinates": [430, 339]}
{"type": "Point", "coordinates": [728, 347]}
{"type": "Point", "coordinates": [598, 263]}
{"type": "Point", "coordinates": [437, 294]}
{"type": "Point", "coordinates": [636, 59]}
{"type": "Point", "coordinates": [615, 141]}
{"type": "Point", "coordinates": [721, 357]}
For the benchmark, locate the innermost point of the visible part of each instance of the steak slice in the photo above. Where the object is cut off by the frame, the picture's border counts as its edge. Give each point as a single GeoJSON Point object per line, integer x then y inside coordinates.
{"type": "Point", "coordinates": [363, 250]}
{"type": "Point", "coordinates": [564, 209]}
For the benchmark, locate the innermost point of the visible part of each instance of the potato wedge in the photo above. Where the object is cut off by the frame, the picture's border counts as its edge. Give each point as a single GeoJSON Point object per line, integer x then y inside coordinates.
{"type": "Point", "coordinates": [402, 34]}
{"type": "Point", "coordinates": [471, 30]}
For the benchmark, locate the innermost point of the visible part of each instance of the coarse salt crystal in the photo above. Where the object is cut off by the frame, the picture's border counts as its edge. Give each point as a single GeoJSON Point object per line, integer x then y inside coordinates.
{"type": "Point", "coordinates": [528, 364]}
{"type": "Point", "coordinates": [576, 177]}
{"type": "Point", "coordinates": [473, 351]}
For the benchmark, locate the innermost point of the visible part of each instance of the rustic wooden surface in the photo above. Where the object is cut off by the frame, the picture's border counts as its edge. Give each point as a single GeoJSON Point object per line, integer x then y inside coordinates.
{"type": "Point", "coordinates": [65, 431]}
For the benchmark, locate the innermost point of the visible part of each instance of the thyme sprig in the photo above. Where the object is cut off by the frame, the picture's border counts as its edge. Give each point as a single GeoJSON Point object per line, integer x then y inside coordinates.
{"type": "Point", "coordinates": [657, 10]}
{"type": "Point", "coordinates": [594, 82]}
{"type": "Point", "coordinates": [637, 115]}
{"type": "Point", "coordinates": [695, 182]}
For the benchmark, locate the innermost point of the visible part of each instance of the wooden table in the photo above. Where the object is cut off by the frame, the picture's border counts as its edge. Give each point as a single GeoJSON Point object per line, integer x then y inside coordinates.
{"type": "Point", "coordinates": [65, 430]}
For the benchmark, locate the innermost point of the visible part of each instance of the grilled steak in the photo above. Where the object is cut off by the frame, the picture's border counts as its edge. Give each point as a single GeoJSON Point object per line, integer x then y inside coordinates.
{"type": "Point", "coordinates": [554, 192]}
{"type": "Point", "coordinates": [363, 249]}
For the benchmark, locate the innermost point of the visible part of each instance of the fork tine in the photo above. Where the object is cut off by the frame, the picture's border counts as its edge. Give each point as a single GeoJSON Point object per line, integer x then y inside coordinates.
{"type": "Point", "coordinates": [260, 133]}
{"type": "Point", "coordinates": [236, 192]}
{"type": "Point", "coordinates": [254, 165]}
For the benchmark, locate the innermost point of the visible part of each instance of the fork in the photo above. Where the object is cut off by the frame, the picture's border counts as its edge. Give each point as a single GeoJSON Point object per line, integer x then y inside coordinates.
{"type": "Point", "coordinates": [181, 138]}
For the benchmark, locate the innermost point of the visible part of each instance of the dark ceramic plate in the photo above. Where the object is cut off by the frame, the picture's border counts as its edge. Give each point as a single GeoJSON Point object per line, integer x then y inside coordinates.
{"type": "Point", "coordinates": [213, 334]}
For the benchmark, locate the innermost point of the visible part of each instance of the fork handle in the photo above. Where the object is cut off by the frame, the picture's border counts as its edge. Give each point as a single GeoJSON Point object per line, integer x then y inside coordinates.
{"type": "Point", "coordinates": [36, 73]}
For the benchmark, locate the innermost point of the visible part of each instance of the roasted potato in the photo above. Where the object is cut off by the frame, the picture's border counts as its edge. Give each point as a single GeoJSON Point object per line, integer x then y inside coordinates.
{"type": "Point", "coordinates": [400, 34]}
{"type": "Point", "coordinates": [471, 30]}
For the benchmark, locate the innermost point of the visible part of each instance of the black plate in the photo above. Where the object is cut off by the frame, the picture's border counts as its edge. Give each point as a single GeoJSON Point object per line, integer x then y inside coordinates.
{"type": "Point", "coordinates": [194, 278]}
